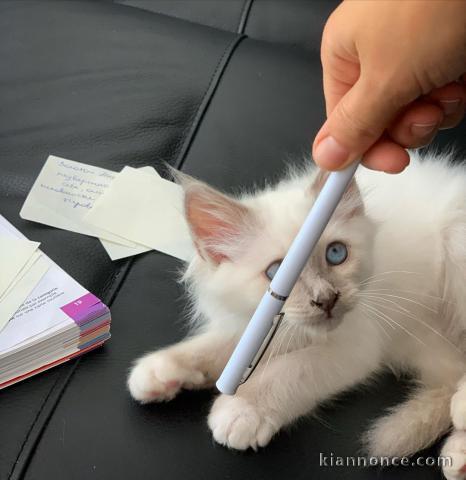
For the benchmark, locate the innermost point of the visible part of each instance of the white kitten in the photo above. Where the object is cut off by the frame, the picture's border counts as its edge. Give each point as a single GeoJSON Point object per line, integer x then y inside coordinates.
{"type": "Point", "coordinates": [385, 287]}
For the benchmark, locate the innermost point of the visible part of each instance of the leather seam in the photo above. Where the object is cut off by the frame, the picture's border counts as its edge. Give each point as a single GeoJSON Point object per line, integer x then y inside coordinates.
{"type": "Point", "coordinates": [109, 285]}
{"type": "Point", "coordinates": [206, 99]}
{"type": "Point", "coordinates": [15, 463]}
{"type": "Point", "coordinates": [243, 20]}
{"type": "Point", "coordinates": [19, 464]}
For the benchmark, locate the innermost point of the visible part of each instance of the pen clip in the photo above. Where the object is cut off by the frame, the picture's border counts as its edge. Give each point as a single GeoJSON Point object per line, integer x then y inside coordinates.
{"type": "Point", "coordinates": [255, 361]}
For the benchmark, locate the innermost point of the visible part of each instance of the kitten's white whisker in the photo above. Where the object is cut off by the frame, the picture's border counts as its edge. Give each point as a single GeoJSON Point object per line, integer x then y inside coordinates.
{"type": "Point", "coordinates": [378, 312]}
{"type": "Point", "coordinates": [279, 345]}
{"type": "Point", "coordinates": [408, 300]}
{"type": "Point", "coordinates": [403, 311]}
{"type": "Point", "coordinates": [372, 282]}
{"type": "Point", "coordinates": [289, 332]}
{"type": "Point", "coordinates": [289, 341]}
{"type": "Point", "coordinates": [379, 324]}
{"type": "Point", "coordinates": [271, 351]}
{"type": "Point", "coordinates": [288, 344]}
{"type": "Point", "coordinates": [411, 291]}
{"type": "Point", "coordinates": [388, 273]}
{"type": "Point", "coordinates": [367, 308]}
{"type": "Point", "coordinates": [296, 311]}
{"type": "Point", "coordinates": [275, 347]}
{"type": "Point", "coordinates": [371, 296]}
{"type": "Point", "coordinates": [430, 327]}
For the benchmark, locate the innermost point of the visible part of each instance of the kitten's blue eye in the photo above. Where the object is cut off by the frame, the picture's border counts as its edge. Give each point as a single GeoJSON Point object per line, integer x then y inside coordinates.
{"type": "Point", "coordinates": [336, 253]}
{"type": "Point", "coordinates": [272, 269]}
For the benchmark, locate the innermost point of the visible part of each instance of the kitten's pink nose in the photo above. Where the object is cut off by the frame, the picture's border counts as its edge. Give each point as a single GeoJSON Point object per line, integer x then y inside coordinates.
{"type": "Point", "coordinates": [326, 301]}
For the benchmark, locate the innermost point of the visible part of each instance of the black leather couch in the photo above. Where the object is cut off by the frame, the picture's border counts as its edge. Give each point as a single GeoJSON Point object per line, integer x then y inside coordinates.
{"type": "Point", "coordinates": [226, 90]}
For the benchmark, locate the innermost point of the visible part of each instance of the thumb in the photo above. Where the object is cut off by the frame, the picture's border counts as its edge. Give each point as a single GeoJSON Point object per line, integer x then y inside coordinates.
{"type": "Point", "coordinates": [357, 121]}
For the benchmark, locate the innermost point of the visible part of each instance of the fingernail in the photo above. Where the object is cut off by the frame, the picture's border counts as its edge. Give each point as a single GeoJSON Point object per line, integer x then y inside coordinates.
{"type": "Point", "coordinates": [423, 130]}
{"type": "Point", "coordinates": [450, 106]}
{"type": "Point", "coordinates": [394, 173]}
{"type": "Point", "coordinates": [330, 153]}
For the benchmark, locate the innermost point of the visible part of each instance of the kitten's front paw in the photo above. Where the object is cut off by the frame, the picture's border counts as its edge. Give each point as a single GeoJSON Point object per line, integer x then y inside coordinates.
{"type": "Point", "coordinates": [455, 449]}
{"type": "Point", "coordinates": [159, 376]}
{"type": "Point", "coordinates": [458, 409]}
{"type": "Point", "coordinates": [238, 424]}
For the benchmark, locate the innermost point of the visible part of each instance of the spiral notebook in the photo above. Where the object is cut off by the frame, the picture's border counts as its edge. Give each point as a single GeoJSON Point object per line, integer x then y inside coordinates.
{"type": "Point", "coordinates": [57, 320]}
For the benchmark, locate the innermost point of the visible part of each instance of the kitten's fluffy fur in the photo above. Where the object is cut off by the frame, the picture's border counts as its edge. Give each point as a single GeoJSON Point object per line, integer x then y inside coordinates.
{"type": "Point", "coordinates": [401, 304]}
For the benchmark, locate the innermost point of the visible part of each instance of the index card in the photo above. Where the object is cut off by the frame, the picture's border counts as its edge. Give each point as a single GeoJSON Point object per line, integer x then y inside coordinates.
{"type": "Point", "coordinates": [147, 210]}
{"type": "Point", "coordinates": [15, 253]}
{"type": "Point", "coordinates": [116, 250]}
{"type": "Point", "coordinates": [25, 285]}
{"type": "Point", "coordinates": [22, 272]}
{"type": "Point", "coordinates": [64, 192]}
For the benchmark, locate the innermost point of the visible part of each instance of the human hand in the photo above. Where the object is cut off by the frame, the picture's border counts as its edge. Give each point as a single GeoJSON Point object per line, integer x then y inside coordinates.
{"type": "Point", "coordinates": [390, 71]}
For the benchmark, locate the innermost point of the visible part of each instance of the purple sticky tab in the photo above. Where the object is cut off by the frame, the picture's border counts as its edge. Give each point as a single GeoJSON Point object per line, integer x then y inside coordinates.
{"type": "Point", "coordinates": [84, 307]}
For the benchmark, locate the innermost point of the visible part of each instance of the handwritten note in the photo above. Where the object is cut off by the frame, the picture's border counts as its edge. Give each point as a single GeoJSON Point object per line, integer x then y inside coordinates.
{"type": "Point", "coordinates": [63, 192]}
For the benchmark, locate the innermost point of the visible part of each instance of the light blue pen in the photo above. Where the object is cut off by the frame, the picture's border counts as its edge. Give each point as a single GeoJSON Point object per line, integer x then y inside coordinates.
{"type": "Point", "coordinates": [267, 317]}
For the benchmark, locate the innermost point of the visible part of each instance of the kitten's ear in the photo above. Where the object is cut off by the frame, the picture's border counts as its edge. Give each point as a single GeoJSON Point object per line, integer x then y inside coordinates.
{"type": "Point", "coordinates": [217, 222]}
{"type": "Point", "coordinates": [351, 204]}
{"type": "Point", "coordinates": [319, 181]}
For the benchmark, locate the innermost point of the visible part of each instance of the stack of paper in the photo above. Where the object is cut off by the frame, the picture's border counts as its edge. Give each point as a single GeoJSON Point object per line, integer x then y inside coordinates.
{"type": "Point", "coordinates": [64, 192]}
{"type": "Point", "coordinates": [131, 212]}
{"type": "Point", "coordinates": [46, 317]}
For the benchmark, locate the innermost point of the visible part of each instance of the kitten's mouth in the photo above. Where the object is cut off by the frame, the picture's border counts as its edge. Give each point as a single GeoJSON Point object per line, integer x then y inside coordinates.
{"type": "Point", "coordinates": [328, 323]}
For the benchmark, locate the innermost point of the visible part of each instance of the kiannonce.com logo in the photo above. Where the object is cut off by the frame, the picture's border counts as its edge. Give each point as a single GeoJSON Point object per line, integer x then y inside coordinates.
{"type": "Point", "coordinates": [332, 460]}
